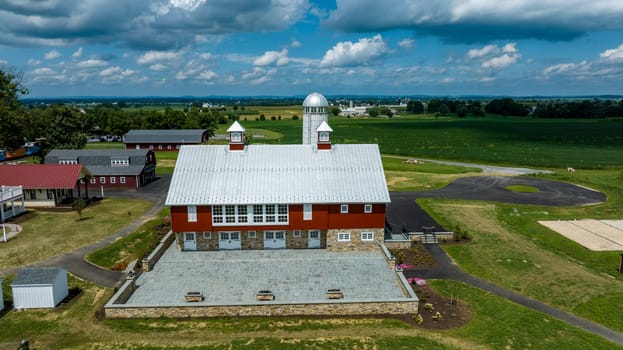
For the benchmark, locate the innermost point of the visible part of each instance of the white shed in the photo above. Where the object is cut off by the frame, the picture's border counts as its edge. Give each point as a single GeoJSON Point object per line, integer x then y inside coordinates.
{"type": "Point", "coordinates": [40, 287]}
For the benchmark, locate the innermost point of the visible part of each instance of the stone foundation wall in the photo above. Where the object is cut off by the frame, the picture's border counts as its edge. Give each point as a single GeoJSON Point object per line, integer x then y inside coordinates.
{"type": "Point", "coordinates": [398, 244]}
{"type": "Point", "coordinates": [355, 244]}
{"type": "Point", "coordinates": [247, 243]}
{"type": "Point", "coordinates": [328, 309]}
{"type": "Point", "coordinates": [149, 262]}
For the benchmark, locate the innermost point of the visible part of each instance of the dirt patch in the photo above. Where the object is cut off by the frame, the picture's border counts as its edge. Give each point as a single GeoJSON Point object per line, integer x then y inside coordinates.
{"type": "Point", "coordinates": [436, 311]}
{"type": "Point", "coordinates": [416, 257]}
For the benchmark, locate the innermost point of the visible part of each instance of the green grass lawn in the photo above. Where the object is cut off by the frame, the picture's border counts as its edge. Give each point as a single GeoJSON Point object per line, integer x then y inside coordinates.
{"type": "Point", "coordinates": [48, 233]}
{"type": "Point", "coordinates": [522, 189]}
{"type": "Point", "coordinates": [105, 145]}
{"type": "Point", "coordinates": [497, 324]}
{"type": "Point", "coordinates": [511, 249]}
{"type": "Point", "coordinates": [133, 246]}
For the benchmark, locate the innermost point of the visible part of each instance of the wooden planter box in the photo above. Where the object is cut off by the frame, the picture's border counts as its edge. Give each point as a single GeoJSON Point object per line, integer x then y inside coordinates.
{"type": "Point", "coordinates": [193, 297]}
{"type": "Point", "coordinates": [265, 295]}
{"type": "Point", "coordinates": [334, 294]}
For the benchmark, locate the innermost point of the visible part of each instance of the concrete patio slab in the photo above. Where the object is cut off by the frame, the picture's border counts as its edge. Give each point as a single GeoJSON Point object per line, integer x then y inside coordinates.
{"type": "Point", "coordinates": [294, 276]}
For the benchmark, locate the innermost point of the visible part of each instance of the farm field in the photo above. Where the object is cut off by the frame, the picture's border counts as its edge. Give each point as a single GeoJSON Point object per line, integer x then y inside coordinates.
{"type": "Point", "coordinates": [497, 140]}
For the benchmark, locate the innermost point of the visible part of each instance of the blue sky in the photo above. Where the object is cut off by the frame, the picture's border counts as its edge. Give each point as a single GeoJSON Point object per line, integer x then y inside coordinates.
{"type": "Point", "coordinates": [283, 47]}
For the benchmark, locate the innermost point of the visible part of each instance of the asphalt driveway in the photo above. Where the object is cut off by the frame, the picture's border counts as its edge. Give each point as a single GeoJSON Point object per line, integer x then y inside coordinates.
{"type": "Point", "coordinates": [404, 215]}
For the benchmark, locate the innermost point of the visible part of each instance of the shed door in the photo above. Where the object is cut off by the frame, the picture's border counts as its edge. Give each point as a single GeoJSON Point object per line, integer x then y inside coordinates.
{"type": "Point", "coordinates": [313, 240]}
{"type": "Point", "coordinates": [229, 240]}
{"type": "Point", "coordinates": [274, 239]}
{"type": "Point", "coordinates": [190, 241]}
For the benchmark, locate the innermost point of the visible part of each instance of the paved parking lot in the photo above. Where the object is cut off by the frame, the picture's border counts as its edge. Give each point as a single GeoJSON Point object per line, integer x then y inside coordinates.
{"type": "Point", "coordinates": [294, 276]}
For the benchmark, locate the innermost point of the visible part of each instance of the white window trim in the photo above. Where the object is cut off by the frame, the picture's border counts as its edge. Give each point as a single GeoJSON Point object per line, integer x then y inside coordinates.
{"type": "Point", "coordinates": [207, 235]}
{"type": "Point", "coordinates": [122, 179]}
{"type": "Point", "coordinates": [296, 233]}
{"type": "Point", "coordinates": [236, 136]}
{"type": "Point", "coordinates": [239, 220]}
{"type": "Point", "coordinates": [343, 208]}
{"type": "Point", "coordinates": [93, 180]}
{"type": "Point", "coordinates": [251, 234]}
{"type": "Point", "coordinates": [102, 179]}
{"type": "Point", "coordinates": [367, 208]}
{"type": "Point", "coordinates": [343, 236]}
{"type": "Point", "coordinates": [310, 232]}
{"type": "Point", "coordinates": [365, 234]}
{"type": "Point", "coordinates": [169, 147]}
{"type": "Point", "coordinates": [307, 211]}
{"type": "Point", "coordinates": [192, 213]}
{"type": "Point", "coordinates": [113, 180]}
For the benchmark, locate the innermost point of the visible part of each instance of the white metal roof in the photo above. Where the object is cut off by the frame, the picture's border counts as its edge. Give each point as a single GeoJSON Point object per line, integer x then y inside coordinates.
{"type": "Point", "coordinates": [236, 127]}
{"type": "Point", "coordinates": [315, 100]}
{"type": "Point", "coordinates": [324, 127]}
{"type": "Point", "coordinates": [271, 174]}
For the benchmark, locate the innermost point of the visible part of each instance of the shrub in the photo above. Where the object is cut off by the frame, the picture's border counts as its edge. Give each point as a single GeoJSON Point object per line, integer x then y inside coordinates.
{"type": "Point", "coordinates": [295, 117]}
{"type": "Point", "coordinates": [418, 319]}
{"type": "Point", "coordinates": [429, 307]}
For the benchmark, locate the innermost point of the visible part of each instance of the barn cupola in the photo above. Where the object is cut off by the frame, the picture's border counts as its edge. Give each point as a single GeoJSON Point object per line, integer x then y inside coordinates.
{"type": "Point", "coordinates": [236, 137]}
{"type": "Point", "coordinates": [324, 136]}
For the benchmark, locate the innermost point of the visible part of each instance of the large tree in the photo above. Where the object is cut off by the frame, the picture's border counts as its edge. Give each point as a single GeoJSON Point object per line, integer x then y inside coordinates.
{"type": "Point", "coordinates": [12, 114]}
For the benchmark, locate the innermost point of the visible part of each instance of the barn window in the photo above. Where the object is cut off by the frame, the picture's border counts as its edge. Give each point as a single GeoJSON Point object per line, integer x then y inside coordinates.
{"type": "Point", "coordinates": [343, 236]}
{"type": "Point", "coordinates": [122, 179]}
{"type": "Point", "coordinates": [192, 213]}
{"type": "Point", "coordinates": [307, 211]}
{"type": "Point", "coordinates": [344, 208]}
{"type": "Point", "coordinates": [367, 236]}
{"type": "Point", "coordinates": [367, 208]}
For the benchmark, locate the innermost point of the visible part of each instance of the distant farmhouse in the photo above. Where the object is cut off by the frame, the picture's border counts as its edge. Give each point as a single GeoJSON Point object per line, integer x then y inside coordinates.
{"type": "Point", "coordinates": [110, 168]}
{"type": "Point", "coordinates": [314, 195]}
{"type": "Point", "coordinates": [164, 140]}
{"type": "Point", "coordinates": [353, 111]}
{"type": "Point", "coordinates": [40, 185]}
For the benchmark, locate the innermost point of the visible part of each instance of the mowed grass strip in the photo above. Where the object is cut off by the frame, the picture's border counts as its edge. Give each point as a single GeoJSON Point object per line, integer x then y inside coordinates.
{"type": "Point", "coordinates": [50, 233]}
{"type": "Point", "coordinates": [522, 189]}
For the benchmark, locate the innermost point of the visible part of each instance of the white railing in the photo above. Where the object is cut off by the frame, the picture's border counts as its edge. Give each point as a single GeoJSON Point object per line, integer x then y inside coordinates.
{"type": "Point", "coordinates": [10, 192]}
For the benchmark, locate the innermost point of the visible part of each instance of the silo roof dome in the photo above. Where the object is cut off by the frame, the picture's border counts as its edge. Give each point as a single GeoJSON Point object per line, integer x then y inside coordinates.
{"type": "Point", "coordinates": [315, 100]}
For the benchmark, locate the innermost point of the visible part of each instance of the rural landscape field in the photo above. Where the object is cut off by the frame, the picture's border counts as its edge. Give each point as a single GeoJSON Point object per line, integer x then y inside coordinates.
{"type": "Point", "coordinates": [510, 250]}
{"type": "Point", "coordinates": [311, 174]}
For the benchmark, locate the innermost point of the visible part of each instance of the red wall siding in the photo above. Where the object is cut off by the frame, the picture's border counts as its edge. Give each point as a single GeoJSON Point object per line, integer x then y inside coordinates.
{"type": "Point", "coordinates": [130, 182]}
{"type": "Point", "coordinates": [323, 217]}
{"type": "Point", "coordinates": [356, 218]}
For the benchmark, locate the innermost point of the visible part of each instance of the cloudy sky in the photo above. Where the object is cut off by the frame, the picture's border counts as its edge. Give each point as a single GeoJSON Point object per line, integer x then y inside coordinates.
{"type": "Point", "coordinates": [292, 47]}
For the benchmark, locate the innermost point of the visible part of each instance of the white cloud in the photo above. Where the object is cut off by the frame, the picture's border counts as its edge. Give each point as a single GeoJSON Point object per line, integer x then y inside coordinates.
{"type": "Point", "coordinates": [486, 79]}
{"type": "Point", "coordinates": [33, 62]}
{"type": "Point", "coordinates": [346, 53]}
{"type": "Point", "coordinates": [206, 56]}
{"type": "Point", "coordinates": [4, 62]}
{"type": "Point", "coordinates": [485, 51]}
{"type": "Point", "coordinates": [207, 75]}
{"type": "Point", "coordinates": [277, 58]}
{"type": "Point", "coordinates": [559, 68]}
{"type": "Point", "coordinates": [615, 54]}
{"type": "Point", "coordinates": [77, 53]}
{"type": "Point", "coordinates": [495, 57]}
{"type": "Point", "coordinates": [92, 63]}
{"type": "Point", "coordinates": [500, 62]}
{"type": "Point", "coordinates": [188, 5]}
{"type": "Point", "coordinates": [110, 71]}
{"type": "Point", "coordinates": [406, 43]}
{"type": "Point", "coordinates": [50, 55]}
{"type": "Point", "coordinates": [158, 67]}
{"type": "Point", "coordinates": [295, 43]}
{"type": "Point", "coordinates": [151, 57]}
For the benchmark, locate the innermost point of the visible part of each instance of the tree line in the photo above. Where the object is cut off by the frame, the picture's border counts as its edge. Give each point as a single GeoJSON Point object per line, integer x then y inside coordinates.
{"type": "Point", "coordinates": [594, 108]}
{"type": "Point", "coordinates": [68, 127]}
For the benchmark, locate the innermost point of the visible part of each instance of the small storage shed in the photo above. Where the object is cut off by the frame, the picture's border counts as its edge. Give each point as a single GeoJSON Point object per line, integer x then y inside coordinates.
{"type": "Point", "coordinates": [41, 287]}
